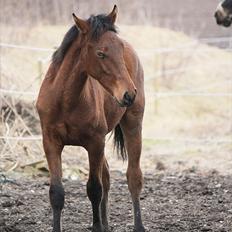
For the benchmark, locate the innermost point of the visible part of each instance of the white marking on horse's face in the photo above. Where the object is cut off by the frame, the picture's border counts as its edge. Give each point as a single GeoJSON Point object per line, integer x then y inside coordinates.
{"type": "Point", "coordinates": [221, 10]}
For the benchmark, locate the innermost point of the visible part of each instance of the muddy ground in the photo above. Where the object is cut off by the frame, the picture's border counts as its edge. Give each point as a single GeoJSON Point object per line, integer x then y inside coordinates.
{"type": "Point", "coordinates": [174, 202]}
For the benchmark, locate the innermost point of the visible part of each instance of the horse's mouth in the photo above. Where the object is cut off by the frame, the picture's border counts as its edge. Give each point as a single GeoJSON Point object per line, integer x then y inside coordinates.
{"type": "Point", "coordinates": [227, 22]}
{"type": "Point", "coordinates": [123, 103]}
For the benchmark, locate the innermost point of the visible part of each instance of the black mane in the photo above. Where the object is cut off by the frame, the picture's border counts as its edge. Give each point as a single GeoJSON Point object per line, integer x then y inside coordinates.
{"type": "Point", "coordinates": [68, 39]}
{"type": "Point", "coordinates": [98, 25]}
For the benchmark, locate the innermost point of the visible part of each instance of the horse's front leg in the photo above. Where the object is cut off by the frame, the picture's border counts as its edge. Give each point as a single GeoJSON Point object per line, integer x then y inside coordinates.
{"type": "Point", "coordinates": [133, 139]}
{"type": "Point", "coordinates": [94, 184]}
{"type": "Point", "coordinates": [53, 151]}
{"type": "Point", "coordinates": [106, 188]}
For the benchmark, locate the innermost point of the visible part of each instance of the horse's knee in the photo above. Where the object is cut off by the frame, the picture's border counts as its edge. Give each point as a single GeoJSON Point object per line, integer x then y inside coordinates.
{"type": "Point", "coordinates": [56, 193]}
{"type": "Point", "coordinates": [94, 190]}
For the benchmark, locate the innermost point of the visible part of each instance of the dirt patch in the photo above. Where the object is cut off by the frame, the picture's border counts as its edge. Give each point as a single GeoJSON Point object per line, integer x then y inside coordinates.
{"type": "Point", "coordinates": [174, 202]}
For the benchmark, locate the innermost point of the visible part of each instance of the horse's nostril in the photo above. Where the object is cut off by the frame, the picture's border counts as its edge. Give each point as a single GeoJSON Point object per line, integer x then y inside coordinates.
{"type": "Point", "coordinates": [127, 96]}
{"type": "Point", "coordinates": [127, 99]}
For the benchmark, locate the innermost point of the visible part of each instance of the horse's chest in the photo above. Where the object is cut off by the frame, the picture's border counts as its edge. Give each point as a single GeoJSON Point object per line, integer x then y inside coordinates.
{"type": "Point", "coordinates": [82, 129]}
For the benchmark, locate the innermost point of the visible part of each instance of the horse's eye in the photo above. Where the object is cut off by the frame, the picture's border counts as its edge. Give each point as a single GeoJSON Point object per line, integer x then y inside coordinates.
{"type": "Point", "coordinates": [101, 54]}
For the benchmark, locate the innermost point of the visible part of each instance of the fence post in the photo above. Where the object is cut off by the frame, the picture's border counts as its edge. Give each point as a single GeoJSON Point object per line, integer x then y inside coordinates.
{"type": "Point", "coordinates": [156, 82]}
{"type": "Point", "coordinates": [40, 69]}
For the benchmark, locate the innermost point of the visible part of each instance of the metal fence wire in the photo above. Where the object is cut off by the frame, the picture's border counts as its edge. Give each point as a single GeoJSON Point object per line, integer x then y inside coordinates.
{"type": "Point", "coordinates": [19, 126]}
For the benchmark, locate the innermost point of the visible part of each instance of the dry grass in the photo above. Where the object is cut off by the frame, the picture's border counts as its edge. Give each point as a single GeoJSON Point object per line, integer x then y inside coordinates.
{"type": "Point", "coordinates": [183, 116]}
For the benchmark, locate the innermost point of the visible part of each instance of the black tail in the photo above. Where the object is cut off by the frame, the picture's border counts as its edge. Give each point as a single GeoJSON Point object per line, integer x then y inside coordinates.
{"type": "Point", "coordinates": [119, 142]}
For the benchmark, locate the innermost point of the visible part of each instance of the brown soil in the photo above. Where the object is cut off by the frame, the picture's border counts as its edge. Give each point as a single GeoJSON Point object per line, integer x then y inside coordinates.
{"type": "Point", "coordinates": [172, 202]}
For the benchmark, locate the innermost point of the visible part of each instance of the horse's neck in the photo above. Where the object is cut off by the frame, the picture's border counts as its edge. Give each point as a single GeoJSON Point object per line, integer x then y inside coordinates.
{"type": "Point", "coordinates": [81, 94]}
{"type": "Point", "coordinates": [74, 86]}
{"type": "Point", "coordinates": [71, 76]}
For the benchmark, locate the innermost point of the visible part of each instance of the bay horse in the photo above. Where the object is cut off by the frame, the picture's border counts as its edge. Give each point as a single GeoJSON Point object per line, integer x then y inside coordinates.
{"type": "Point", "coordinates": [94, 85]}
{"type": "Point", "coordinates": [223, 13]}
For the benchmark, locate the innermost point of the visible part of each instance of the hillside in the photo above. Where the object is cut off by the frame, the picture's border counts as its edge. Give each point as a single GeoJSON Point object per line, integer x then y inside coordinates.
{"type": "Point", "coordinates": [187, 16]}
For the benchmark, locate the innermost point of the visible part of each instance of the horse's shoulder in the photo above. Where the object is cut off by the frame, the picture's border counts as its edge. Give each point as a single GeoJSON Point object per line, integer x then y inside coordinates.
{"type": "Point", "coordinates": [132, 61]}
{"type": "Point", "coordinates": [129, 50]}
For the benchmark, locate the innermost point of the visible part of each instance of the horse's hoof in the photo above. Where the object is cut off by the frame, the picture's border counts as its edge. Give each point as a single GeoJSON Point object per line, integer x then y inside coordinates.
{"type": "Point", "coordinates": [98, 228]}
{"type": "Point", "coordinates": [95, 229]}
{"type": "Point", "coordinates": [106, 229]}
{"type": "Point", "coordinates": [139, 229]}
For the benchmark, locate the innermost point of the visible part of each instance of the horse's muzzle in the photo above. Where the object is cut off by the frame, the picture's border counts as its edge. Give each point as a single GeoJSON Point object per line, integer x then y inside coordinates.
{"type": "Point", "coordinates": [128, 99]}
{"type": "Point", "coordinates": [225, 21]}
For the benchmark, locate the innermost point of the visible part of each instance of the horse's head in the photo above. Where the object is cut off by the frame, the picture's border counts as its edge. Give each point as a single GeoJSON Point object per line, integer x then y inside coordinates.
{"type": "Point", "coordinates": [105, 58]}
{"type": "Point", "coordinates": [223, 13]}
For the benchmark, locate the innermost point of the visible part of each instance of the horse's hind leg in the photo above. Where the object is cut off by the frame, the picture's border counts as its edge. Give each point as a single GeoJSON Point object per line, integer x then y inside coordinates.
{"type": "Point", "coordinates": [106, 188]}
{"type": "Point", "coordinates": [94, 184]}
{"type": "Point", "coordinates": [132, 136]}
{"type": "Point", "coordinates": [56, 192]}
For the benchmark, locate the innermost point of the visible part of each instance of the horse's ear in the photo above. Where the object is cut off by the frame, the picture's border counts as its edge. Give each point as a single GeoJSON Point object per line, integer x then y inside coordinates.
{"type": "Point", "coordinates": [113, 14]}
{"type": "Point", "coordinates": [81, 24]}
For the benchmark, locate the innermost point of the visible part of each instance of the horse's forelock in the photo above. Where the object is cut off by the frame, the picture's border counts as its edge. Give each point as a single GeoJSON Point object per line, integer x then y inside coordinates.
{"type": "Point", "coordinates": [100, 24]}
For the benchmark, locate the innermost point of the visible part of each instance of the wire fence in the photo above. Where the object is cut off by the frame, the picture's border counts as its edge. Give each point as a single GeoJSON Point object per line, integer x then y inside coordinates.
{"type": "Point", "coordinates": [16, 118]}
